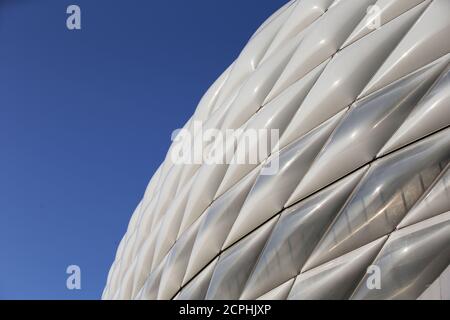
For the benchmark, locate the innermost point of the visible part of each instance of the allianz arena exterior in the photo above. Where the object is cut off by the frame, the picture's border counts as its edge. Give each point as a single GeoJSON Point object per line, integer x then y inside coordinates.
{"type": "Point", "coordinates": [362, 105]}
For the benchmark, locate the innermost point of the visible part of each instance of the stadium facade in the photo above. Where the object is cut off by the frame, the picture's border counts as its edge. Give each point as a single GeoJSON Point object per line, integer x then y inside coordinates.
{"type": "Point", "coordinates": [359, 206]}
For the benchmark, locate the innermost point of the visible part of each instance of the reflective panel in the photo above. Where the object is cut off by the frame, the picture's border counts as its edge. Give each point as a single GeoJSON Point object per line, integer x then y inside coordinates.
{"type": "Point", "coordinates": [365, 129]}
{"type": "Point", "coordinates": [440, 289]}
{"type": "Point", "coordinates": [295, 236]}
{"type": "Point", "coordinates": [345, 76]}
{"type": "Point", "coordinates": [279, 293]}
{"type": "Point", "coordinates": [256, 88]}
{"type": "Point", "coordinates": [385, 195]}
{"type": "Point", "coordinates": [418, 47]}
{"type": "Point", "coordinates": [411, 260]}
{"type": "Point", "coordinates": [433, 203]}
{"type": "Point", "coordinates": [270, 192]}
{"type": "Point", "coordinates": [304, 14]}
{"type": "Point", "coordinates": [196, 289]}
{"type": "Point", "coordinates": [431, 114]}
{"type": "Point", "coordinates": [385, 11]}
{"type": "Point", "coordinates": [168, 232]}
{"type": "Point", "coordinates": [322, 40]}
{"type": "Point", "coordinates": [275, 115]}
{"type": "Point", "coordinates": [177, 260]}
{"type": "Point", "coordinates": [217, 224]}
{"type": "Point", "coordinates": [336, 279]}
{"type": "Point", "coordinates": [151, 286]}
{"type": "Point", "coordinates": [236, 263]}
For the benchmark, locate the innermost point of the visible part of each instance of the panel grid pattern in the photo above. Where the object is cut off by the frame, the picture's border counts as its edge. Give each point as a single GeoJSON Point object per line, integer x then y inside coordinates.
{"type": "Point", "coordinates": [363, 179]}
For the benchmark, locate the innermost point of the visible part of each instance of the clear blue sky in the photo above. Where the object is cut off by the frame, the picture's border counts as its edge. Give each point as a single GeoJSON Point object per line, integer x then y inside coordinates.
{"type": "Point", "coordinates": [86, 118]}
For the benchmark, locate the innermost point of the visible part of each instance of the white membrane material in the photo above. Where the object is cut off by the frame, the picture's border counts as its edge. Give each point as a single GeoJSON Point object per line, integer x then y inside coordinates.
{"type": "Point", "coordinates": [359, 92]}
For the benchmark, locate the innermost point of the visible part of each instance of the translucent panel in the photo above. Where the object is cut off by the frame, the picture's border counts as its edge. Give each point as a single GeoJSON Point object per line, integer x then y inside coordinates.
{"type": "Point", "coordinates": [176, 263]}
{"type": "Point", "coordinates": [386, 11]}
{"type": "Point", "coordinates": [150, 289]}
{"type": "Point", "coordinates": [270, 192]}
{"type": "Point", "coordinates": [127, 257]}
{"type": "Point", "coordinates": [196, 289]}
{"type": "Point", "coordinates": [126, 286]}
{"type": "Point", "coordinates": [236, 263]}
{"type": "Point", "coordinates": [144, 262]}
{"type": "Point", "coordinates": [169, 187]}
{"type": "Point", "coordinates": [411, 260]}
{"type": "Point", "coordinates": [201, 196]}
{"type": "Point", "coordinates": [439, 290]}
{"type": "Point", "coordinates": [345, 76]}
{"type": "Point", "coordinates": [322, 40]}
{"type": "Point", "coordinates": [255, 90]}
{"type": "Point", "coordinates": [336, 279]}
{"type": "Point", "coordinates": [150, 191]}
{"type": "Point", "coordinates": [279, 293]}
{"type": "Point", "coordinates": [434, 202]}
{"type": "Point", "coordinates": [418, 47]}
{"type": "Point", "coordinates": [431, 114]}
{"type": "Point", "coordinates": [284, 12]}
{"type": "Point", "coordinates": [171, 224]}
{"type": "Point", "coordinates": [206, 104]}
{"type": "Point", "coordinates": [365, 129]}
{"type": "Point", "coordinates": [217, 224]}
{"type": "Point", "coordinates": [275, 115]}
{"type": "Point", "coordinates": [385, 195]}
{"type": "Point", "coordinates": [303, 15]}
{"type": "Point", "coordinates": [251, 55]}
{"type": "Point", "coordinates": [295, 236]}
